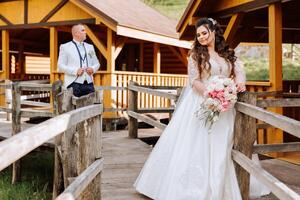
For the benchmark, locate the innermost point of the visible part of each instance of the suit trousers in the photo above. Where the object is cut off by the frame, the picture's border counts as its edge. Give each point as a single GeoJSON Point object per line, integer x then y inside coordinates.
{"type": "Point", "coordinates": [81, 89]}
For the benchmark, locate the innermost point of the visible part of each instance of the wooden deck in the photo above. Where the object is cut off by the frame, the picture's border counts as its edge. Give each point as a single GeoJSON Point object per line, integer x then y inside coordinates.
{"type": "Point", "coordinates": [124, 158]}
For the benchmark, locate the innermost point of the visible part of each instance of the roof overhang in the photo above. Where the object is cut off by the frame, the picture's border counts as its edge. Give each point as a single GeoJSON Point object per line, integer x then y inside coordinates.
{"type": "Point", "coordinates": [152, 37]}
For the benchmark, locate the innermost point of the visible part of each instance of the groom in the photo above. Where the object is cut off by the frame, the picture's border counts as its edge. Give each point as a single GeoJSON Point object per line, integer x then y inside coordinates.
{"type": "Point", "coordinates": [79, 62]}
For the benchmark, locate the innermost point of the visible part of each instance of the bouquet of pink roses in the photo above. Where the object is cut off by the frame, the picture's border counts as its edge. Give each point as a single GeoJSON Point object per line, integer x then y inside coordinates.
{"type": "Point", "coordinates": [220, 96]}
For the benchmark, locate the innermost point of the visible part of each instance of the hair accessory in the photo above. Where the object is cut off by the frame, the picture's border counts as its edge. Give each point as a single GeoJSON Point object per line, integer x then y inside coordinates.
{"type": "Point", "coordinates": [214, 22]}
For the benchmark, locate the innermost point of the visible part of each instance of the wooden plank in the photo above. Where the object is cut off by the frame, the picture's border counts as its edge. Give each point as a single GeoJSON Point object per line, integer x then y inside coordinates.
{"type": "Point", "coordinates": [275, 46]}
{"type": "Point", "coordinates": [119, 46]}
{"type": "Point", "coordinates": [293, 102]}
{"type": "Point", "coordinates": [277, 187]}
{"type": "Point", "coordinates": [89, 146]}
{"type": "Point", "coordinates": [263, 126]}
{"type": "Point", "coordinates": [16, 127]}
{"type": "Point", "coordinates": [266, 148]}
{"type": "Point", "coordinates": [53, 52]}
{"type": "Point", "coordinates": [25, 11]}
{"type": "Point", "coordinates": [31, 138]}
{"type": "Point", "coordinates": [152, 92]}
{"type": "Point", "coordinates": [111, 45]}
{"type": "Point", "coordinates": [237, 6]}
{"type": "Point", "coordinates": [35, 87]}
{"type": "Point", "coordinates": [146, 119]}
{"type": "Point", "coordinates": [244, 142]}
{"type": "Point", "coordinates": [110, 88]}
{"type": "Point", "coordinates": [233, 26]}
{"type": "Point", "coordinates": [152, 37]}
{"type": "Point", "coordinates": [8, 110]}
{"type": "Point", "coordinates": [178, 54]}
{"type": "Point", "coordinates": [132, 106]}
{"type": "Point", "coordinates": [286, 124]}
{"type": "Point", "coordinates": [54, 10]}
{"type": "Point", "coordinates": [25, 112]}
{"type": "Point", "coordinates": [5, 20]}
{"type": "Point", "coordinates": [5, 55]}
{"type": "Point", "coordinates": [74, 190]}
{"type": "Point", "coordinates": [62, 147]}
{"type": "Point", "coordinates": [156, 110]}
{"type": "Point", "coordinates": [98, 43]}
{"type": "Point", "coordinates": [156, 58]}
{"type": "Point", "coordinates": [48, 24]}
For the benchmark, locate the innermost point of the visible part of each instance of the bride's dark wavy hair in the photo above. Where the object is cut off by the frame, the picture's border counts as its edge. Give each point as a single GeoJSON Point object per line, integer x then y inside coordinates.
{"type": "Point", "coordinates": [200, 53]}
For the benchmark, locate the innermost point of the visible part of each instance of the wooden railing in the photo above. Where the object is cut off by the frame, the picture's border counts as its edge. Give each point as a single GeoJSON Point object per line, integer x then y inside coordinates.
{"type": "Point", "coordinates": [136, 113]}
{"type": "Point", "coordinates": [247, 114]}
{"type": "Point", "coordinates": [245, 135]}
{"type": "Point", "coordinates": [78, 163]}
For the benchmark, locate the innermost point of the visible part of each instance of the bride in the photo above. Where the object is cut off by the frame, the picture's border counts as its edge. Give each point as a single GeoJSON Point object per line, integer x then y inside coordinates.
{"type": "Point", "coordinates": [188, 163]}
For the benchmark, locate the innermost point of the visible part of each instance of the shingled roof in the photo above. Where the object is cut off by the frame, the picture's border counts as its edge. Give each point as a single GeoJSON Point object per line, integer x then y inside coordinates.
{"type": "Point", "coordinates": [138, 17]}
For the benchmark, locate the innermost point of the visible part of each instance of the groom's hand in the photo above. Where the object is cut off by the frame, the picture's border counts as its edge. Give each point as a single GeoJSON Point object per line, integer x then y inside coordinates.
{"type": "Point", "coordinates": [80, 71]}
{"type": "Point", "coordinates": [89, 70]}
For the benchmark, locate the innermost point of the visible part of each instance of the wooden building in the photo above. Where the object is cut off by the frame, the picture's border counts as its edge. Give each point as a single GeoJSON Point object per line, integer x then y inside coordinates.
{"type": "Point", "coordinates": [273, 22]}
{"type": "Point", "coordinates": [132, 40]}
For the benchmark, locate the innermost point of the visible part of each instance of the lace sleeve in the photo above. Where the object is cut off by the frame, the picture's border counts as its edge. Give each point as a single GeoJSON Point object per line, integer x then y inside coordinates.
{"type": "Point", "coordinates": [240, 76]}
{"type": "Point", "coordinates": [193, 72]}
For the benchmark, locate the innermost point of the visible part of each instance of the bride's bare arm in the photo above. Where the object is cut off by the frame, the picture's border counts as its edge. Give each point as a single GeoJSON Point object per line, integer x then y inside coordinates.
{"type": "Point", "coordinates": [194, 79]}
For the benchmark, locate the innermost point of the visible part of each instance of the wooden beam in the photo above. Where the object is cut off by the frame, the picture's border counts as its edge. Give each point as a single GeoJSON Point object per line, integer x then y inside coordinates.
{"type": "Point", "coordinates": [275, 46]}
{"type": "Point", "coordinates": [74, 190]}
{"type": "Point", "coordinates": [156, 58]}
{"type": "Point", "coordinates": [141, 60]}
{"type": "Point", "coordinates": [5, 20]}
{"type": "Point", "coordinates": [187, 15]}
{"type": "Point", "coordinates": [178, 54]}
{"type": "Point", "coordinates": [233, 26]}
{"type": "Point", "coordinates": [99, 16]}
{"type": "Point", "coordinates": [275, 64]}
{"type": "Point", "coordinates": [99, 44]}
{"type": "Point", "coordinates": [53, 52]}
{"type": "Point", "coordinates": [5, 54]}
{"type": "Point", "coordinates": [147, 120]}
{"type": "Point", "coordinates": [241, 7]}
{"type": "Point", "coordinates": [119, 46]}
{"type": "Point", "coordinates": [25, 11]}
{"type": "Point", "coordinates": [278, 188]}
{"type": "Point", "coordinates": [41, 25]}
{"type": "Point", "coordinates": [152, 37]}
{"type": "Point", "coordinates": [111, 46]}
{"type": "Point", "coordinates": [54, 10]}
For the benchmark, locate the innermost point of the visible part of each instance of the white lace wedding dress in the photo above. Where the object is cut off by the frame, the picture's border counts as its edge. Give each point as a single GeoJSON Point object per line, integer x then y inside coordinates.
{"type": "Point", "coordinates": [188, 163]}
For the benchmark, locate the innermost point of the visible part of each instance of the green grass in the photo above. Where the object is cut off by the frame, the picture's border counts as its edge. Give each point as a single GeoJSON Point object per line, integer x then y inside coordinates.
{"type": "Point", "coordinates": [258, 69]}
{"type": "Point", "coordinates": [37, 175]}
{"type": "Point", "coordinates": [171, 8]}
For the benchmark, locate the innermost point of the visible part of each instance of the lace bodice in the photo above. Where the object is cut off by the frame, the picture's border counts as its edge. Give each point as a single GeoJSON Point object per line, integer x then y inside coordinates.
{"type": "Point", "coordinates": [216, 69]}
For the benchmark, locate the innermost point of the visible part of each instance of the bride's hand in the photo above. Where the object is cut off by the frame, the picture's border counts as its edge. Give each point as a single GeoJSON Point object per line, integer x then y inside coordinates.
{"type": "Point", "coordinates": [241, 87]}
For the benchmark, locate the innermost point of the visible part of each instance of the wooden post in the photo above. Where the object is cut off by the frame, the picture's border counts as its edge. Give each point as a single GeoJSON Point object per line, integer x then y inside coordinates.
{"type": "Point", "coordinates": [244, 138]}
{"type": "Point", "coordinates": [78, 147]}
{"type": "Point", "coordinates": [53, 52]}
{"type": "Point", "coordinates": [109, 96]}
{"type": "Point", "coordinates": [21, 62]}
{"type": "Point", "coordinates": [132, 106]}
{"type": "Point", "coordinates": [157, 58]}
{"type": "Point", "coordinates": [4, 74]}
{"type": "Point", "coordinates": [16, 127]}
{"type": "Point", "coordinates": [61, 172]}
{"type": "Point", "coordinates": [141, 60]}
{"type": "Point", "coordinates": [233, 26]}
{"type": "Point", "coordinates": [275, 66]}
{"type": "Point", "coordinates": [89, 136]}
